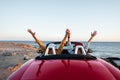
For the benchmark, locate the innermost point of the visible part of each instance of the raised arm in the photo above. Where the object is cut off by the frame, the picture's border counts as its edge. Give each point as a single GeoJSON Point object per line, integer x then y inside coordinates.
{"type": "Point", "coordinates": [41, 45]}
{"type": "Point", "coordinates": [69, 41]}
{"type": "Point", "coordinates": [63, 42]}
{"type": "Point", "coordinates": [92, 36]}
{"type": "Point", "coordinates": [89, 41]}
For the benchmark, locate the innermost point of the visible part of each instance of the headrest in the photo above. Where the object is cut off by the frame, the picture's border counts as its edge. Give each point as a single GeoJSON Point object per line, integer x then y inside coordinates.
{"type": "Point", "coordinates": [51, 45]}
{"type": "Point", "coordinates": [78, 44]}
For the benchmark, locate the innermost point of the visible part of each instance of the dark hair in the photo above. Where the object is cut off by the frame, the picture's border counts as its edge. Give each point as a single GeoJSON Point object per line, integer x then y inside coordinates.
{"type": "Point", "coordinates": [78, 43]}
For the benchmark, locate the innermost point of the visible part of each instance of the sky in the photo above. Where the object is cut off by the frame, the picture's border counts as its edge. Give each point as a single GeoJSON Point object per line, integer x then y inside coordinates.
{"type": "Point", "coordinates": [50, 18]}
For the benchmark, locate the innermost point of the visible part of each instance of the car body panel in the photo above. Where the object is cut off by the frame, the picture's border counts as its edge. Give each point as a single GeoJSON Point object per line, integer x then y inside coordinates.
{"type": "Point", "coordinates": [67, 69]}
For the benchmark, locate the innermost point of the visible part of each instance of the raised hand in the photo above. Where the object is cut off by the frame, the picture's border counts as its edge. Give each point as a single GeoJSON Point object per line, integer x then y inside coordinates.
{"type": "Point", "coordinates": [93, 34]}
{"type": "Point", "coordinates": [68, 32]}
{"type": "Point", "coordinates": [31, 32]}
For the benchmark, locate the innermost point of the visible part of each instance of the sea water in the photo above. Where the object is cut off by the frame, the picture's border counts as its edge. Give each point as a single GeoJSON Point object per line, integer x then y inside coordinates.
{"type": "Point", "coordinates": [106, 49]}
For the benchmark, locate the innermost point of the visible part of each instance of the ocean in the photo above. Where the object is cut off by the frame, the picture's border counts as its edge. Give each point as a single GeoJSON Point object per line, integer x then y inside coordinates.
{"type": "Point", "coordinates": [100, 49]}
{"type": "Point", "coordinates": [106, 49]}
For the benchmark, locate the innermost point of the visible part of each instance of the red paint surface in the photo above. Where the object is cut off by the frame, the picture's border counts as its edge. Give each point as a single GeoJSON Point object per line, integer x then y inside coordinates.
{"type": "Point", "coordinates": [66, 70]}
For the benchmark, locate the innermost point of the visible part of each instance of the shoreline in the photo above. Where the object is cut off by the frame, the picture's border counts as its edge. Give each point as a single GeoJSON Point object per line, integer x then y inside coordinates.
{"type": "Point", "coordinates": [13, 55]}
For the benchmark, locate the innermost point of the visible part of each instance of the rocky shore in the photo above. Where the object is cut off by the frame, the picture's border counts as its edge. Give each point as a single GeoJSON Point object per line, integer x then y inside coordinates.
{"type": "Point", "coordinates": [12, 56]}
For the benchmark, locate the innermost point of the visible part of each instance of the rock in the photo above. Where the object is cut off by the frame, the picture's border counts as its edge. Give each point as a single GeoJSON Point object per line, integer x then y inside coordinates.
{"type": "Point", "coordinates": [9, 53]}
{"type": "Point", "coordinates": [26, 57]}
{"type": "Point", "coordinates": [30, 54]}
{"type": "Point", "coordinates": [10, 68]}
{"type": "Point", "coordinates": [14, 68]}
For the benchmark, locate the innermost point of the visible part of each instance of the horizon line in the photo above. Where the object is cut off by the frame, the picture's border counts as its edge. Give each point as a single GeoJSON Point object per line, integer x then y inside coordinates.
{"type": "Point", "coordinates": [55, 40]}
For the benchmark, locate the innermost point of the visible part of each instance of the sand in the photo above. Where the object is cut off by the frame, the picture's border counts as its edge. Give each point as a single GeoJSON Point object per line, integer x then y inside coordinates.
{"type": "Point", "coordinates": [13, 55]}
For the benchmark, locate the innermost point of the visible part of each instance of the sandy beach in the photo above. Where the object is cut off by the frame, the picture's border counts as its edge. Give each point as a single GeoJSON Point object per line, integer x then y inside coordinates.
{"type": "Point", "coordinates": [12, 56]}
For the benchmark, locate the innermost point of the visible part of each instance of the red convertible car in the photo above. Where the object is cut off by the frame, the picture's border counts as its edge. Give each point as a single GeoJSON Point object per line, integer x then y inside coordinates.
{"type": "Point", "coordinates": [66, 66]}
